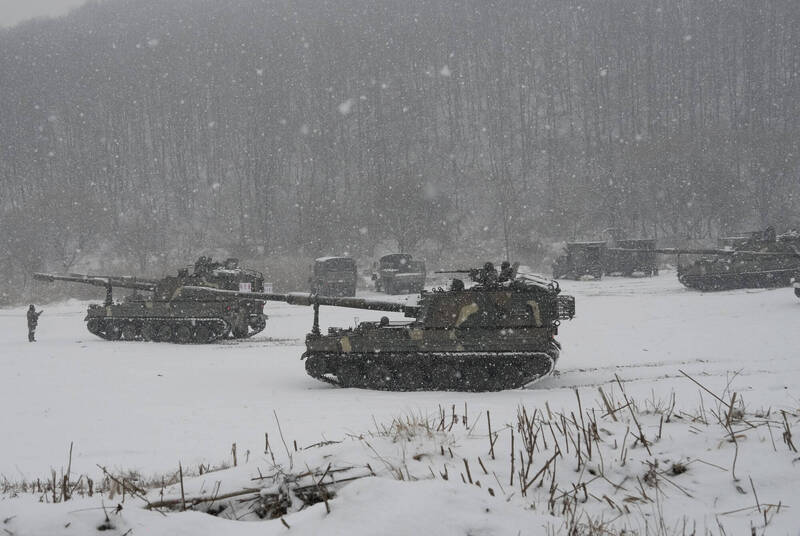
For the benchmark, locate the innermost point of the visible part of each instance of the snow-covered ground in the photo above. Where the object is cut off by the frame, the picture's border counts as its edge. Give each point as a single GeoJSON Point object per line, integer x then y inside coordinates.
{"type": "Point", "coordinates": [147, 406]}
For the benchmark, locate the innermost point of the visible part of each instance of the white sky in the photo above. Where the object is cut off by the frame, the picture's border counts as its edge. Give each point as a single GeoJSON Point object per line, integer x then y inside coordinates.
{"type": "Point", "coordinates": [14, 11]}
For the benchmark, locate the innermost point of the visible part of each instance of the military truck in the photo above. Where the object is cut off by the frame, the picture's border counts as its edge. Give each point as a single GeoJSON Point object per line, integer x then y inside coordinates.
{"type": "Point", "coordinates": [176, 308]}
{"type": "Point", "coordinates": [334, 276]}
{"type": "Point", "coordinates": [631, 256]}
{"type": "Point", "coordinates": [496, 334]}
{"type": "Point", "coordinates": [616, 256]}
{"type": "Point", "coordinates": [581, 259]}
{"type": "Point", "coordinates": [398, 273]}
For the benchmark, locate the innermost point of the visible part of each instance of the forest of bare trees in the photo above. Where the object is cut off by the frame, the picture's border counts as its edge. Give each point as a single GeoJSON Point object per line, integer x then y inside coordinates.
{"type": "Point", "coordinates": [135, 134]}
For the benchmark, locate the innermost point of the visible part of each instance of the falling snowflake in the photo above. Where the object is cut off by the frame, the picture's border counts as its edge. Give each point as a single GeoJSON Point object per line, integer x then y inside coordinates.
{"type": "Point", "coordinates": [344, 108]}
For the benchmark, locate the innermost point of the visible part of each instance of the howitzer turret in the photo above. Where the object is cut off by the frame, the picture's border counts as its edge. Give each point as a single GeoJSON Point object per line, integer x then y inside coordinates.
{"type": "Point", "coordinates": [487, 337]}
{"type": "Point", "coordinates": [177, 308]}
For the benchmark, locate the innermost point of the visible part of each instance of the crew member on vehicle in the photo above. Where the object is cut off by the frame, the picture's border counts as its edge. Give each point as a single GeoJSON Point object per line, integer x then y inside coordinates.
{"type": "Point", "coordinates": [506, 272]}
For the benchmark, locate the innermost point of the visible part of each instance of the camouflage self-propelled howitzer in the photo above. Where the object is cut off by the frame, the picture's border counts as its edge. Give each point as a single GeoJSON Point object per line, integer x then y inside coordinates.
{"type": "Point", "coordinates": [181, 308]}
{"type": "Point", "coordinates": [759, 261]}
{"type": "Point", "coordinates": [497, 334]}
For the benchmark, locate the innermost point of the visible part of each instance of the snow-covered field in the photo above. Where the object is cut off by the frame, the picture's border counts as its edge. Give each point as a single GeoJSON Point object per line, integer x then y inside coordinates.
{"type": "Point", "coordinates": [145, 407]}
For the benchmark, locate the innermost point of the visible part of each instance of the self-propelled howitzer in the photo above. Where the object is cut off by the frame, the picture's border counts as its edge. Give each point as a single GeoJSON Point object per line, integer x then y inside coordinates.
{"type": "Point", "coordinates": [178, 308]}
{"type": "Point", "coordinates": [488, 337]}
{"type": "Point", "coordinates": [727, 269]}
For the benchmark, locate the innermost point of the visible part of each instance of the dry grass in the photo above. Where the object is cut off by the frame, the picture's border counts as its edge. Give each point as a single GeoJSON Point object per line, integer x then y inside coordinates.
{"type": "Point", "coordinates": [593, 466]}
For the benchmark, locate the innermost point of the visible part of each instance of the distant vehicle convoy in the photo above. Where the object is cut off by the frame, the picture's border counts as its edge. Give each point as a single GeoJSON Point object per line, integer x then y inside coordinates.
{"type": "Point", "coordinates": [760, 259]}
{"type": "Point", "coordinates": [496, 334]}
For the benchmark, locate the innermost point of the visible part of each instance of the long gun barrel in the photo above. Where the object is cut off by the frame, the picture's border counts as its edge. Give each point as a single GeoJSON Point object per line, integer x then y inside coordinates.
{"type": "Point", "coordinates": [99, 280]}
{"type": "Point", "coordinates": [683, 251]}
{"type": "Point", "coordinates": [315, 300]}
{"type": "Point", "coordinates": [305, 298]}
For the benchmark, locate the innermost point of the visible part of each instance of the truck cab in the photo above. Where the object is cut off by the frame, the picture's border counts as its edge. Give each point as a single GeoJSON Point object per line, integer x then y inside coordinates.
{"type": "Point", "coordinates": [334, 276]}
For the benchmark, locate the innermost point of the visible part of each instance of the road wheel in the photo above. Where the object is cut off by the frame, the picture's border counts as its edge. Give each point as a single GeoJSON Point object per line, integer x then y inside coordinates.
{"type": "Point", "coordinates": [380, 377]}
{"type": "Point", "coordinates": [95, 326]}
{"type": "Point", "coordinates": [797, 292]}
{"type": "Point", "coordinates": [474, 378]}
{"type": "Point", "coordinates": [202, 334]}
{"type": "Point", "coordinates": [259, 324]}
{"type": "Point", "coordinates": [507, 376]}
{"type": "Point", "coordinates": [162, 333]}
{"type": "Point", "coordinates": [129, 331]}
{"type": "Point", "coordinates": [113, 331]}
{"type": "Point", "coordinates": [183, 334]}
{"type": "Point", "coordinates": [412, 377]}
{"type": "Point", "coordinates": [443, 377]}
{"type": "Point", "coordinates": [147, 331]}
{"type": "Point", "coordinates": [350, 375]}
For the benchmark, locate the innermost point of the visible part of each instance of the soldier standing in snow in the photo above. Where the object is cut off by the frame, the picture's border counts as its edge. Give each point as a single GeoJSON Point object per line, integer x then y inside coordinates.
{"type": "Point", "coordinates": [33, 321]}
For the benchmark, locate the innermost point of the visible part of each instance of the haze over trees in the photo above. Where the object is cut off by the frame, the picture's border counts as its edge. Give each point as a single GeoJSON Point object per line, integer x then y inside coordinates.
{"type": "Point", "coordinates": [143, 131]}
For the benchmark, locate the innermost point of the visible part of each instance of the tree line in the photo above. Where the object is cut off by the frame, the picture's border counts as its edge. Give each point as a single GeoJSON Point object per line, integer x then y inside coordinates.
{"type": "Point", "coordinates": [135, 134]}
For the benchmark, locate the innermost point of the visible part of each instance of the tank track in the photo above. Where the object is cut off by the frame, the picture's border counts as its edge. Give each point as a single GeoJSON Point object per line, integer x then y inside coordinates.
{"type": "Point", "coordinates": [431, 371]}
{"type": "Point", "coordinates": [736, 280]}
{"type": "Point", "coordinates": [181, 330]}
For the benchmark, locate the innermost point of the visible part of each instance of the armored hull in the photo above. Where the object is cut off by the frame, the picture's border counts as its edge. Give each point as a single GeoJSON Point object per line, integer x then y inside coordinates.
{"type": "Point", "coordinates": [420, 369]}
{"type": "Point", "coordinates": [180, 321]}
{"type": "Point", "coordinates": [719, 278]}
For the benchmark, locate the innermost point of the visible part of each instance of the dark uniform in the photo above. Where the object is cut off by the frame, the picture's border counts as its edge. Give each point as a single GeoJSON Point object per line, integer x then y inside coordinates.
{"type": "Point", "coordinates": [506, 272]}
{"type": "Point", "coordinates": [489, 275]}
{"type": "Point", "coordinates": [33, 321]}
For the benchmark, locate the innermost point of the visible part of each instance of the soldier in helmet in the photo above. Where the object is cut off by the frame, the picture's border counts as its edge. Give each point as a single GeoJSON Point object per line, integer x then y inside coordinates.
{"type": "Point", "coordinates": [506, 272]}
{"type": "Point", "coordinates": [489, 275]}
{"type": "Point", "coordinates": [33, 321]}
